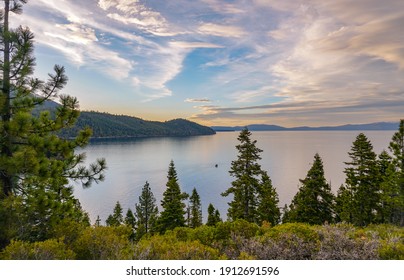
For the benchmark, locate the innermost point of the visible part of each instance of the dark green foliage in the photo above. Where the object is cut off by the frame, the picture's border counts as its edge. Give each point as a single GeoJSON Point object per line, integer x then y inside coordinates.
{"type": "Point", "coordinates": [146, 212]}
{"type": "Point", "coordinates": [389, 195]}
{"type": "Point", "coordinates": [397, 178]}
{"type": "Point", "coordinates": [43, 208]}
{"type": "Point", "coordinates": [31, 152]}
{"type": "Point", "coordinates": [195, 219]}
{"type": "Point", "coordinates": [314, 202]}
{"type": "Point", "coordinates": [268, 210]}
{"type": "Point", "coordinates": [249, 181]}
{"type": "Point", "coordinates": [173, 212]}
{"type": "Point", "coordinates": [213, 216]}
{"type": "Point", "coordinates": [116, 218]}
{"type": "Point", "coordinates": [245, 169]}
{"type": "Point", "coordinates": [130, 219]}
{"type": "Point", "coordinates": [106, 125]}
{"type": "Point", "coordinates": [36, 166]}
{"type": "Point", "coordinates": [343, 204]}
{"type": "Point", "coordinates": [130, 222]}
{"type": "Point", "coordinates": [360, 198]}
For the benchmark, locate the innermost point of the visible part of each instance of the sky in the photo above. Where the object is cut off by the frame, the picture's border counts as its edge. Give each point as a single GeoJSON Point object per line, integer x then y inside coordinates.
{"type": "Point", "coordinates": [227, 62]}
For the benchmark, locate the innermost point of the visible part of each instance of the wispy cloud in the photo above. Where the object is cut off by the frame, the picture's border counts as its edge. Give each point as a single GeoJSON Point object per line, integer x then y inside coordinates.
{"type": "Point", "coordinates": [221, 30]}
{"type": "Point", "coordinates": [259, 59]}
{"type": "Point", "coordinates": [198, 100]}
{"type": "Point", "coordinates": [137, 14]}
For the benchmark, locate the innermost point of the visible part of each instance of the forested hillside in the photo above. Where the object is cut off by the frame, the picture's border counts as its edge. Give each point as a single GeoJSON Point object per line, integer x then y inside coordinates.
{"type": "Point", "coordinates": [106, 125]}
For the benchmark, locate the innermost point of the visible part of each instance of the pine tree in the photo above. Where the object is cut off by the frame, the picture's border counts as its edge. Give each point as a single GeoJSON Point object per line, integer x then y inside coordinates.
{"type": "Point", "coordinates": [213, 216]}
{"type": "Point", "coordinates": [389, 198]}
{"type": "Point", "coordinates": [116, 218]}
{"type": "Point", "coordinates": [195, 219]}
{"type": "Point", "coordinates": [130, 221]}
{"type": "Point", "coordinates": [146, 212]}
{"type": "Point", "coordinates": [173, 212]}
{"type": "Point", "coordinates": [314, 202]}
{"type": "Point", "coordinates": [246, 171]}
{"type": "Point", "coordinates": [34, 162]}
{"type": "Point", "coordinates": [396, 147]}
{"type": "Point", "coordinates": [344, 204]}
{"type": "Point", "coordinates": [30, 150]}
{"type": "Point", "coordinates": [362, 190]}
{"type": "Point", "coordinates": [268, 200]}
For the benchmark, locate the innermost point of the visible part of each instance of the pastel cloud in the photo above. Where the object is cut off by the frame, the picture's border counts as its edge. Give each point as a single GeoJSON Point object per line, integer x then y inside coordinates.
{"type": "Point", "coordinates": [266, 59]}
{"type": "Point", "coordinates": [221, 30]}
{"type": "Point", "coordinates": [197, 100]}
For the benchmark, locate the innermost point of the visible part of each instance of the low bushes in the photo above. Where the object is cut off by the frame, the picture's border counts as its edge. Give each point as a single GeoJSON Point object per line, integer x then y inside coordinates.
{"type": "Point", "coordinates": [226, 240]}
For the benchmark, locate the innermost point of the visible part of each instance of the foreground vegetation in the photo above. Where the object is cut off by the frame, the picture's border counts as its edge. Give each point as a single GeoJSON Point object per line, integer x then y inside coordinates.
{"type": "Point", "coordinates": [227, 240]}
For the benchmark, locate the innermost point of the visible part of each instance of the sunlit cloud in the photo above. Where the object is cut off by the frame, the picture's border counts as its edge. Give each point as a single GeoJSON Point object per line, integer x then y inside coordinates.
{"type": "Point", "coordinates": [221, 30]}
{"type": "Point", "coordinates": [261, 60]}
{"type": "Point", "coordinates": [197, 100]}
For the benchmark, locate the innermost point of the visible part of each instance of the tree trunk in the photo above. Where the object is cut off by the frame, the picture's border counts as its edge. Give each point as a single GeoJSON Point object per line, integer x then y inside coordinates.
{"type": "Point", "coordinates": [5, 178]}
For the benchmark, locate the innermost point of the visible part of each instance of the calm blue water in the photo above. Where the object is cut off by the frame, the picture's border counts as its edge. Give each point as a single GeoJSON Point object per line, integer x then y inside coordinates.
{"type": "Point", "coordinates": [287, 157]}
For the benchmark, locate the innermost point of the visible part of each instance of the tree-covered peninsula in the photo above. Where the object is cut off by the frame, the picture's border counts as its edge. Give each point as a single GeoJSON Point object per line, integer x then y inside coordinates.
{"type": "Point", "coordinates": [110, 126]}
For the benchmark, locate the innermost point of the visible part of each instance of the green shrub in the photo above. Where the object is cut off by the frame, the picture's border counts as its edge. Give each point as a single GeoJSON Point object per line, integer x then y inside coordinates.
{"type": "Point", "coordinates": [392, 241]}
{"type": "Point", "coordinates": [242, 228]}
{"type": "Point", "coordinates": [50, 249]}
{"type": "Point", "coordinates": [392, 250]}
{"type": "Point", "coordinates": [204, 234]}
{"type": "Point", "coordinates": [168, 247]}
{"type": "Point", "coordinates": [305, 232]}
{"type": "Point", "coordinates": [103, 243]}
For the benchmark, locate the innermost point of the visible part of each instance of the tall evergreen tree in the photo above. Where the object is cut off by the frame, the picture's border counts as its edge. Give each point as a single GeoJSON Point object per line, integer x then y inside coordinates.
{"type": "Point", "coordinates": [268, 200]}
{"type": "Point", "coordinates": [389, 198]}
{"type": "Point", "coordinates": [344, 204]}
{"type": "Point", "coordinates": [34, 162]}
{"type": "Point", "coordinates": [213, 216]}
{"type": "Point", "coordinates": [314, 202]}
{"type": "Point", "coordinates": [173, 212]}
{"type": "Point", "coordinates": [247, 171]}
{"type": "Point", "coordinates": [146, 212]}
{"type": "Point", "coordinates": [361, 193]}
{"type": "Point", "coordinates": [396, 147]}
{"type": "Point", "coordinates": [30, 150]}
{"type": "Point", "coordinates": [116, 218]}
{"type": "Point", "coordinates": [130, 221]}
{"type": "Point", "coordinates": [195, 210]}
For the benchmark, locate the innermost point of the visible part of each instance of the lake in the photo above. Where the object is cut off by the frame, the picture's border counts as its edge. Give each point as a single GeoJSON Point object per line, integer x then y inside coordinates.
{"type": "Point", "coordinates": [286, 156]}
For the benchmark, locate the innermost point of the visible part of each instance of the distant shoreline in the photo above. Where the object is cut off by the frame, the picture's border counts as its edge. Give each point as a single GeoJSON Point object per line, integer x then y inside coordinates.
{"type": "Point", "coordinates": [381, 126]}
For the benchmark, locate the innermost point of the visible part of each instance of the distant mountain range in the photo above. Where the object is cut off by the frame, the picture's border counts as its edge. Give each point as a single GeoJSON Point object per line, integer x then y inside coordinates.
{"type": "Point", "coordinates": [109, 126]}
{"type": "Point", "coordinates": [266, 127]}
